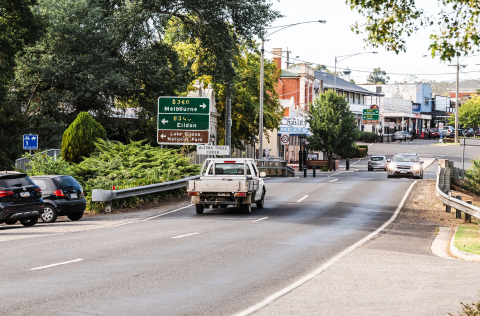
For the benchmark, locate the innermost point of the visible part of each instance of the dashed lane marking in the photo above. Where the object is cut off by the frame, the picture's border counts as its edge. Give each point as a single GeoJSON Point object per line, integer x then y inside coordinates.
{"type": "Point", "coordinates": [260, 219]}
{"type": "Point", "coordinates": [56, 264]}
{"type": "Point", "coordinates": [303, 198]}
{"type": "Point", "coordinates": [181, 236]}
{"type": "Point", "coordinates": [333, 180]}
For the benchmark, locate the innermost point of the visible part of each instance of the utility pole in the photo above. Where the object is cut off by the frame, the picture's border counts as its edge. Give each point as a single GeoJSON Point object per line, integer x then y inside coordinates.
{"type": "Point", "coordinates": [228, 121]}
{"type": "Point", "coordinates": [457, 65]}
{"type": "Point", "coordinates": [260, 123]}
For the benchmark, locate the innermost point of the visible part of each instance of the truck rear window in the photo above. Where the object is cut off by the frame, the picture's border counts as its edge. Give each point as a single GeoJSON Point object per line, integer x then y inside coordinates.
{"type": "Point", "coordinates": [228, 168]}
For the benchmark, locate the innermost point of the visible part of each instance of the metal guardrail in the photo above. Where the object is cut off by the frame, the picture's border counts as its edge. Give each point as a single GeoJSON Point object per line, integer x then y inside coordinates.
{"type": "Point", "coordinates": [22, 163]}
{"type": "Point", "coordinates": [443, 194]}
{"type": "Point", "coordinates": [108, 196]}
{"type": "Point", "coordinates": [275, 168]}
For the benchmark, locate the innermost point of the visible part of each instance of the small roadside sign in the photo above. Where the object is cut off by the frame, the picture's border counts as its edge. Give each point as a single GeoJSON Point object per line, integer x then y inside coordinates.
{"type": "Point", "coordinates": [440, 125]}
{"type": "Point", "coordinates": [391, 124]}
{"type": "Point", "coordinates": [284, 139]}
{"type": "Point", "coordinates": [213, 150]}
{"type": "Point", "coordinates": [30, 142]}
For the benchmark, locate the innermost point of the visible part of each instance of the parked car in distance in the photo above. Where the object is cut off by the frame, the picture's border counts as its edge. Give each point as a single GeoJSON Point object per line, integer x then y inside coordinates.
{"type": "Point", "coordinates": [402, 135]}
{"type": "Point", "coordinates": [405, 165]}
{"type": "Point", "coordinates": [63, 196]}
{"type": "Point", "coordinates": [20, 199]}
{"type": "Point", "coordinates": [377, 162]}
{"type": "Point", "coordinates": [445, 132]}
{"type": "Point", "coordinates": [451, 131]}
{"type": "Point", "coordinates": [433, 133]}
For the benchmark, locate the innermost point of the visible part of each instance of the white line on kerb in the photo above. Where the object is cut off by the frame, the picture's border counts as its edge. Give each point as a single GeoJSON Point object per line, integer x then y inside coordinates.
{"type": "Point", "coordinates": [56, 264]}
{"type": "Point", "coordinates": [186, 235]}
{"type": "Point", "coordinates": [333, 180]}
{"type": "Point", "coordinates": [260, 219]}
{"type": "Point", "coordinates": [327, 264]}
{"type": "Point", "coordinates": [302, 198]}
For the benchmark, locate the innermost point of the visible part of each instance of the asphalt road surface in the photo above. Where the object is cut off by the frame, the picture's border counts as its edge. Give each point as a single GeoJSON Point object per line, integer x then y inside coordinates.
{"type": "Point", "coordinates": [174, 262]}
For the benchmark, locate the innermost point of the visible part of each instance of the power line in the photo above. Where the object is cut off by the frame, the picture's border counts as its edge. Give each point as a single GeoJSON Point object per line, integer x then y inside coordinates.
{"type": "Point", "coordinates": [388, 73]}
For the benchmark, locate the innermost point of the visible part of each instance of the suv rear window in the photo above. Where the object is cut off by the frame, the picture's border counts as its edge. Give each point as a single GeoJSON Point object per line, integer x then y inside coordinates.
{"type": "Point", "coordinates": [15, 181]}
{"type": "Point", "coordinates": [68, 182]}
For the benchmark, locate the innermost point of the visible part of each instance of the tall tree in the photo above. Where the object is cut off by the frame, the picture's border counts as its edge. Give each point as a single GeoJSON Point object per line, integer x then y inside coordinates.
{"type": "Point", "coordinates": [469, 114]}
{"type": "Point", "coordinates": [378, 76]}
{"type": "Point", "coordinates": [332, 125]}
{"type": "Point", "coordinates": [387, 22]}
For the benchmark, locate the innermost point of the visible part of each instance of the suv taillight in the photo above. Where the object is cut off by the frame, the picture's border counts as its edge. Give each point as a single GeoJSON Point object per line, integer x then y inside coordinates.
{"type": "Point", "coordinates": [38, 190]}
{"type": "Point", "coordinates": [58, 193]}
{"type": "Point", "coordinates": [5, 193]}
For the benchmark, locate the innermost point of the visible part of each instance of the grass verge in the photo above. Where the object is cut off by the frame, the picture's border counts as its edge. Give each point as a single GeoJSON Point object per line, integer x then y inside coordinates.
{"type": "Point", "coordinates": [467, 238]}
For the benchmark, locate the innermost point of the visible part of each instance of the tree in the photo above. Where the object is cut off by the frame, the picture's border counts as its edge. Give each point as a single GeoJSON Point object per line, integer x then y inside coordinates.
{"type": "Point", "coordinates": [378, 76]}
{"type": "Point", "coordinates": [78, 140]}
{"type": "Point", "coordinates": [469, 113]}
{"type": "Point", "coordinates": [388, 21]}
{"type": "Point", "coordinates": [332, 125]}
{"type": "Point", "coordinates": [352, 81]}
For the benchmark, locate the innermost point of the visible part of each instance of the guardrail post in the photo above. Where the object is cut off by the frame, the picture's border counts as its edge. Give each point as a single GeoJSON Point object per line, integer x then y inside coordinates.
{"type": "Point", "coordinates": [448, 208]}
{"type": "Point", "coordinates": [468, 217]}
{"type": "Point", "coordinates": [314, 170]}
{"type": "Point", "coordinates": [108, 207]}
{"type": "Point", "coordinates": [458, 213]}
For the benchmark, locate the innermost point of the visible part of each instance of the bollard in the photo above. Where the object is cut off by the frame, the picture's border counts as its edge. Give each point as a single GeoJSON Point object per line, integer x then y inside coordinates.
{"type": "Point", "coordinates": [305, 172]}
{"type": "Point", "coordinates": [468, 217]}
{"type": "Point", "coordinates": [334, 169]}
{"type": "Point", "coordinates": [314, 170]}
{"type": "Point", "coordinates": [347, 164]}
{"type": "Point", "coordinates": [448, 208]}
{"type": "Point", "coordinates": [458, 213]}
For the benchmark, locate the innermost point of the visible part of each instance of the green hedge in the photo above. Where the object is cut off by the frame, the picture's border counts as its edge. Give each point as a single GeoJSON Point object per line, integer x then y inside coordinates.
{"type": "Point", "coordinates": [364, 146]}
{"type": "Point", "coordinates": [362, 152]}
{"type": "Point", "coordinates": [368, 137]}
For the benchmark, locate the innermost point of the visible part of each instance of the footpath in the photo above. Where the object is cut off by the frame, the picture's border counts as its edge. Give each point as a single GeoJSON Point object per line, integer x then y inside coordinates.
{"type": "Point", "coordinates": [394, 274]}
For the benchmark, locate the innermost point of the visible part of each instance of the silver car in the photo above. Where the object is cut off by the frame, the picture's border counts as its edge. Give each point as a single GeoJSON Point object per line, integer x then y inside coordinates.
{"type": "Point", "coordinates": [377, 162]}
{"type": "Point", "coordinates": [402, 135]}
{"type": "Point", "coordinates": [405, 165]}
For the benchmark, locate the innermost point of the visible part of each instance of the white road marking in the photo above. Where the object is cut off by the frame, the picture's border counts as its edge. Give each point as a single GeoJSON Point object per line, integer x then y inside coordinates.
{"type": "Point", "coordinates": [333, 180]}
{"type": "Point", "coordinates": [336, 174]}
{"type": "Point", "coordinates": [260, 219]}
{"type": "Point", "coordinates": [327, 264]}
{"type": "Point", "coordinates": [370, 145]}
{"type": "Point", "coordinates": [185, 235]}
{"type": "Point", "coordinates": [56, 264]}
{"type": "Point", "coordinates": [303, 198]}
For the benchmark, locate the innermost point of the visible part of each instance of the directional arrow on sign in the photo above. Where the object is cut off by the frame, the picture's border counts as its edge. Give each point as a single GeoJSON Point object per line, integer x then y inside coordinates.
{"type": "Point", "coordinates": [203, 106]}
{"type": "Point", "coordinates": [163, 136]}
{"type": "Point", "coordinates": [164, 121]}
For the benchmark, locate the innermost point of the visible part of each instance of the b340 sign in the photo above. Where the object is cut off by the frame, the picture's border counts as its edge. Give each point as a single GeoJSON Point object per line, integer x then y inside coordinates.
{"type": "Point", "coordinates": [183, 121]}
{"type": "Point", "coordinates": [371, 116]}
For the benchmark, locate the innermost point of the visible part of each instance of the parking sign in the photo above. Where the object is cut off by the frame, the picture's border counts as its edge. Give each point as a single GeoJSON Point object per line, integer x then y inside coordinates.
{"type": "Point", "coordinates": [30, 142]}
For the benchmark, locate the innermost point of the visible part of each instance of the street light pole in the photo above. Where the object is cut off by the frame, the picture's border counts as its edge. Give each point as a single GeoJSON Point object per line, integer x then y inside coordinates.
{"type": "Point", "coordinates": [260, 125]}
{"type": "Point", "coordinates": [457, 66]}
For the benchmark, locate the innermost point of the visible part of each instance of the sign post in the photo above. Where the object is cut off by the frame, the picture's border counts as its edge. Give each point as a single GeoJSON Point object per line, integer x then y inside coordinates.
{"type": "Point", "coordinates": [371, 116]}
{"type": "Point", "coordinates": [30, 142]}
{"type": "Point", "coordinates": [183, 121]}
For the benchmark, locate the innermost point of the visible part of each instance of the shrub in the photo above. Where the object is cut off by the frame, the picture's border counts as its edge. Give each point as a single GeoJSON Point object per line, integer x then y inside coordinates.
{"type": "Point", "coordinates": [368, 137]}
{"type": "Point", "coordinates": [472, 309]}
{"type": "Point", "coordinates": [362, 152]}
{"type": "Point", "coordinates": [78, 140]}
{"type": "Point", "coordinates": [42, 164]}
{"type": "Point", "coordinates": [472, 178]}
{"type": "Point", "coordinates": [348, 152]}
{"type": "Point", "coordinates": [365, 147]}
{"type": "Point", "coordinates": [324, 168]}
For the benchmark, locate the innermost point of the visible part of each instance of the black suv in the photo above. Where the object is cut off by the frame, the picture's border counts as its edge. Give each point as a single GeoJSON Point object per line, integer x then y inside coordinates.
{"type": "Point", "coordinates": [63, 196]}
{"type": "Point", "coordinates": [20, 199]}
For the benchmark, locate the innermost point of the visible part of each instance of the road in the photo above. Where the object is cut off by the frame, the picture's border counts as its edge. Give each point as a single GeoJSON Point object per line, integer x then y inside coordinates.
{"type": "Point", "coordinates": [174, 262]}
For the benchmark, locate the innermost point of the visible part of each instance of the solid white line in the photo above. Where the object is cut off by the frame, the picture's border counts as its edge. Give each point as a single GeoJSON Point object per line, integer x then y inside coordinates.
{"type": "Point", "coordinates": [185, 235]}
{"type": "Point", "coordinates": [56, 264]}
{"type": "Point", "coordinates": [303, 198]}
{"type": "Point", "coordinates": [261, 219]}
{"type": "Point", "coordinates": [333, 180]}
{"type": "Point", "coordinates": [327, 264]}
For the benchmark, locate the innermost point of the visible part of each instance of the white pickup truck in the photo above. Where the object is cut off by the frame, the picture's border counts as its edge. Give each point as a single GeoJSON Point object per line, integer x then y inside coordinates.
{"type": "Point", "coordinates": [228, 181]}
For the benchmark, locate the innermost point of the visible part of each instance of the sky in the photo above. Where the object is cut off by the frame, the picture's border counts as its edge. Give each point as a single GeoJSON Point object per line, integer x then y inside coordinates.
{"type": "Point", "coordinates": [320, 43]}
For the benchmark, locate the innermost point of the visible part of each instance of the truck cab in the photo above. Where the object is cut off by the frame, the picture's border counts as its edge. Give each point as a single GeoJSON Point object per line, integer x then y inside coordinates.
{"type": "Point", "coordinates": [228, 181]}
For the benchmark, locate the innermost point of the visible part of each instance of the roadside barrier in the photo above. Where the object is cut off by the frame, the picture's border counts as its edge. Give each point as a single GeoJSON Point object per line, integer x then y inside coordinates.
{"type": "Point", "coordinates": [445, 172]}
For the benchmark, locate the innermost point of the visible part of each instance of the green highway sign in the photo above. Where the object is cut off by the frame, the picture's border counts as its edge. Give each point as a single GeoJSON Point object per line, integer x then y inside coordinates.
{"type": "Point", "coordinates": [187, 122]}
{"type": "Point", "coordinates": [371, 116]}
{"type": "Point", "coordinates": [183, 120]}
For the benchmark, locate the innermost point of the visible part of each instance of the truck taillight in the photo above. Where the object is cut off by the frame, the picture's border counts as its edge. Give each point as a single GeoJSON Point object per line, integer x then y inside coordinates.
{"type": "Point", "coordinates": [193, 193]}
{"type": "Point", "coordinates": [241, 194]}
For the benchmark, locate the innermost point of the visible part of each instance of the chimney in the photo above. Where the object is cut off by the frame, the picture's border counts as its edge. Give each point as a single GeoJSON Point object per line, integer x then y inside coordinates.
{"type": "Point", "coordinates": [277, 56]}
{"type": "Point", "coordinates": [347, 73]}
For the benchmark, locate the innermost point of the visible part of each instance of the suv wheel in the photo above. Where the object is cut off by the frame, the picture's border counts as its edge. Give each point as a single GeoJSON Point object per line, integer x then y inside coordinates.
{"type": "Point", "coordinates": [11, 221]}
{"type": "Point", "coordinates": [75, 216]}
{"type": "Point", "coordinates": [49, 215]}
{"type": "Point", "coordinates": [29, 221]}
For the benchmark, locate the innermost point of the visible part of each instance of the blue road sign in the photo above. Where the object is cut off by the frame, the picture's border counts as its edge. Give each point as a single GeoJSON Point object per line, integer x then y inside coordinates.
{"type": "Point", "coordinates": [30, 142]}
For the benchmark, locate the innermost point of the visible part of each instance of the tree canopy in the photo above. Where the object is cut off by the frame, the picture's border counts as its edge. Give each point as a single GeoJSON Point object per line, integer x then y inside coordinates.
{"type": "Point", "coordinates": [378, 76]}
{"type": "Point", "coordinates": [469, 113]}
{"type": "Point", "coordinates": [387, 22]}
{"type": "Point", "coordinates": [332, 125]}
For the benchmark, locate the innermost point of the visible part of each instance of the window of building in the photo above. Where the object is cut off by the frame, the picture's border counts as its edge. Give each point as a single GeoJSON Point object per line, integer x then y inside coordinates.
{"type": "Point", "coordinates": [379, 89]}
